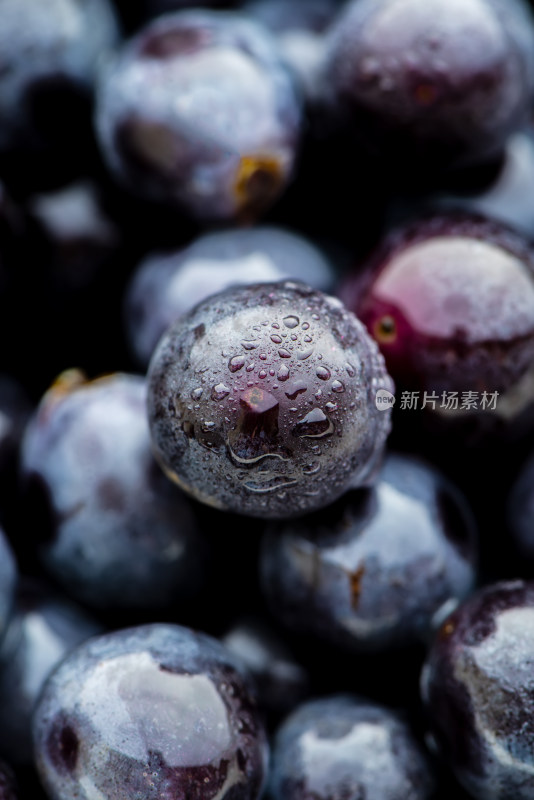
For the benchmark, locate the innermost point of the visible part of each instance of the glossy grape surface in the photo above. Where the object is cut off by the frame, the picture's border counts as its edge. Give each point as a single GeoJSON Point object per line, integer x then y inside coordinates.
{"type": "Point", "coordinates": [280, 681]}
{"type": "Point", "coordinates": [370, 572]}
{"type": "Point", "coordinates": [300, 28]}
{"type": "Point", "coordinates": [263, 401]}
{"type": "Point", "coordinates": [200, 111]}
{"type": "Point", "coordinates": [48, 48]}
{"type": "Point", "coordinates": [44, 628]}
{"type": "Point", "coordinates": [167, 286]}
{"type": "Point", "coordinates": [450, 300]}
{"type": "Point", "coordinates": [477, 686]}
{"type": "Point", "coordinates": [111, 528]}
{"type": "Point", "coordinates": [151, 712]}
{"type": "Point", "coordinates": [346, 747]}
{"type": "Point", "coordinates": [440, 84]}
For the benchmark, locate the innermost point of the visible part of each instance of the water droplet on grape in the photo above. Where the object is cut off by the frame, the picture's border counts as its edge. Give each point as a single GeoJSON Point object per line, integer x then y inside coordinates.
{"type": "Point", "coordinates": [284, 353]}
{"type": "Point", "coordinates": [236, 363]}
{"type": "Point", "coordinates": [220, 391]}
{"type": "Point", "coordinates": [312, 469]}
{"type": "Point", "coordinates": [304, 354]}
{"type": "Point", "coordinates": [273, 485]}
{"type": "Point", "coordinates": [315, 425]}
{"type": "Point", "coordinates": [196, 394]}
{"type": "Point", "coordinates": [323, 373]}
{"type": "Point", "coordinates": [283, 374]}
{"type": "Point", "coordinates": [337, 386]}
{"type": "Point", "coordinates": [291, 322]}
{"type": "Point", "coordinates": [276, 339]}
{"type": "Point", "coordinates": [296, 388]}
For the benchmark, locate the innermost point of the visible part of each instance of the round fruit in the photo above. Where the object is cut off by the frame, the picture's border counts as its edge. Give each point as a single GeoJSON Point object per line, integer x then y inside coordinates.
{"type": "Point", "coordinates": [167, 286]}
{"type": "Point", "coordinates": [442, 83]}
{"type": "Point", "coordinates": [478, 688]}
{"type": "Point", "coordinates": [44, 628]}
{"type": "Point", "coordinates": [373, 570]}
{"type": "Point", "coordinates": [200, 110]}
{"type": "Point", "coordinates": [111, 529]}
{"type": "Point", "coordinates": [50, 51]}
{"type": "Point", "coordinates": [149, 712]}
{"type": "Point", "coordinates": [346, 747]}
{"type": "Point", "coordinates": [450, 301]}
{"type": "Point", "coordinates": [264, 400]}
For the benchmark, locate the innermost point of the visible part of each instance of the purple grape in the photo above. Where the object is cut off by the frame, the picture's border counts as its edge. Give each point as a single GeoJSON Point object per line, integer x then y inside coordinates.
{"type": "Point", "coordinates": [280, 681]}
{"type": "Point", "coordinates": [263, 400]}
{"type": "Point", "coordinates": [113, 531]}
{"type": "Point", "coordinates": [478, 689]}
{"type": "Point", "coordinates": [372, 571]}
{"type": "Point", "coordinates": [76, 233]}
{"type": "Point", "coordinates": [450, 300]}
{"type": "Point", "coordinates": [150, 712]}
{"type": "Point", "coordinates": [43, 630]}
{"type": "Point", "coordinates": [347, 747]}
{"type": "Point", "coordinates": [48, 48]}
{"type": "Point", "coordinates": [300, 29]}
{"type": "Point", "coordinates": [199, 111]}
{"type": "Point", "coordinates": [432, 84]}
{"type": "Point", "coordinates": [167, 286]}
